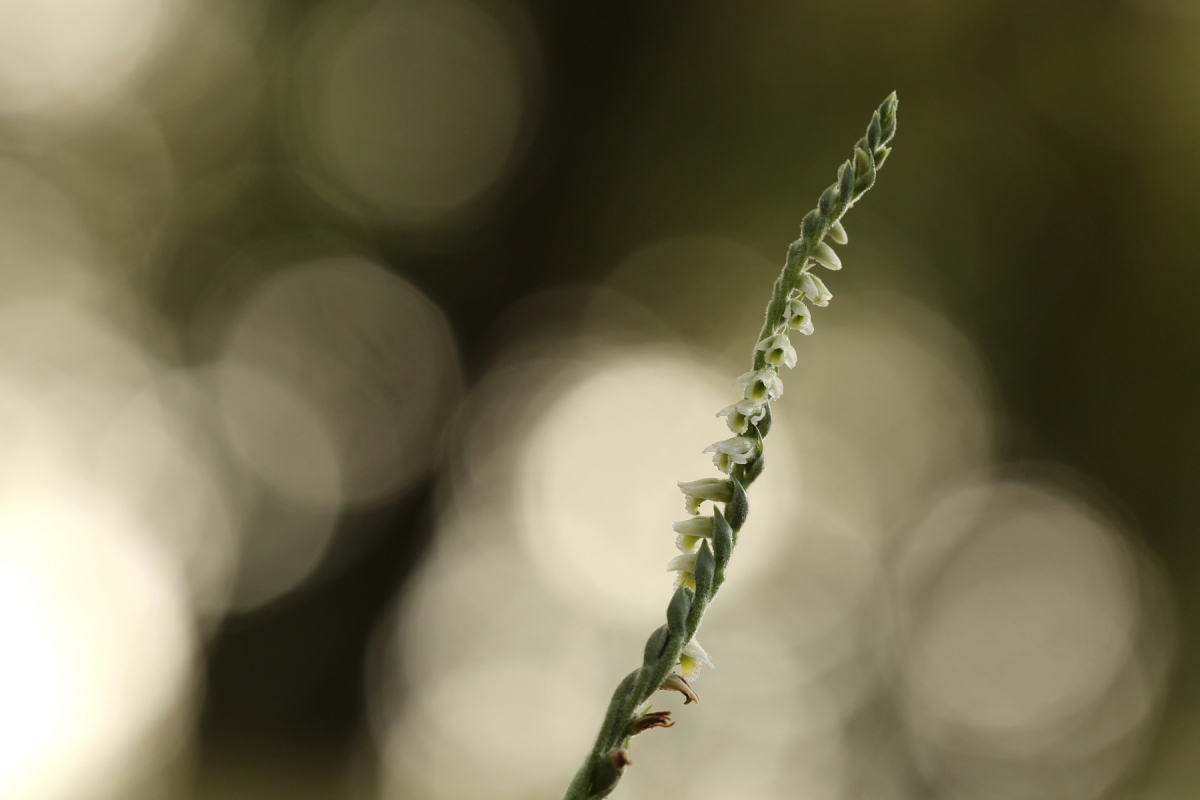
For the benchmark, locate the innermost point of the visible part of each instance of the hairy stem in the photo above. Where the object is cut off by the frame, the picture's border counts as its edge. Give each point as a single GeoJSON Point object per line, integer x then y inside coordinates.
{"type": "Point", "coordinates": [741, 458]}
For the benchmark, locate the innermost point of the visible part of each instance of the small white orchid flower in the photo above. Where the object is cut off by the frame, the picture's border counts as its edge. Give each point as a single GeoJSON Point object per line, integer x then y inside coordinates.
{"type": "Point", "coordinates": [779, 350]}
{"type": "Point", "coordinates": [715, 489]}
{"type": "Point", "coordinates": [742, 415]}
{"type": "Point", "coordinates": [761, 385]}
{"type": "Point", "coordinates": [812, 288]}
{"type": "Point", "coordinates": [826, 257]}
{"type": "Point", "coordinates": [685, 565]}
{"type": "Point", "coordinates": [799, 318]}
{"type": "Point", "coordinates": [692, 659]}
{"type": "Point", "coordinates": [735, 450]}
{"type": "Point", "coordinates": [695, 526]}
{"type": "Point", "coordinates": [696, 492]}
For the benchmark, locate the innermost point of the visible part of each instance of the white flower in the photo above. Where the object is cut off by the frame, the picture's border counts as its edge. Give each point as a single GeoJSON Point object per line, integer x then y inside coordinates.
{"type": "Point", "coordinates": [696, 492]}
{"type": "Point", "coordinates": [742, 415]}
{"type": "Point", "coordinates": [715, 489]}
{"type": "Point", "coordinates": [687, 544]}
{"type": "Point", "coordinates": [695, 526]}
{"type": "Point", "coordinates": [736, 450]}
{"type": "Point", "coordinates": [779, 350]}
{"type": "Point", "coordinates": [798, 317]}
{"type": "Point", "coordinates": [761, 385]}
{"type": "Point", "coordinates": [812, 288]}
{"type": "Point", "coordinates": [838, 233]}
{"type": "Point", "coordinates": [685, 565]}
{"type": "Point", "coordinates": [826, 257]}
{"type": "Point", "coordinates": [692, 659]}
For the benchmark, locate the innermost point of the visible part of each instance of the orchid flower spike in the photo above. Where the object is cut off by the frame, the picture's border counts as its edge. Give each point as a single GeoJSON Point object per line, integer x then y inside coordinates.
{"type": "Point", "coordinates": [672, 656]}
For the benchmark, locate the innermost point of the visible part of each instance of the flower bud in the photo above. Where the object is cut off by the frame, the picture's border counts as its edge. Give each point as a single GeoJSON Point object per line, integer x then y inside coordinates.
{"type": "Point", "coordinates": [838, 233]}
{"type": "Point", "coordinates": [845, 185]}
{"type": "Point", "coordinates": [828, 200]}
{"type": "Point", "coordinates": [864, 170]}
{"type": "Point", "coordinates": [814, 289]}
{"type": "Point", "coordinates": [825, 256]}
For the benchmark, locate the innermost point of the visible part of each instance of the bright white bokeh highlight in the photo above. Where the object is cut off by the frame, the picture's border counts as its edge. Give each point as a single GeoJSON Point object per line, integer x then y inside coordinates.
{"type": "Point", "coordinates": [61, 56]}
{"type": "Point", "coordinates": [97, 644]}
{"type": "Point", "coordinates": [332, 383]}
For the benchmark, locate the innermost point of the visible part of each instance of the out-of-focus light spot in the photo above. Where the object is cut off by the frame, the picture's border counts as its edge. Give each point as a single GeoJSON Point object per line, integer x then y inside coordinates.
{"type": "Point", "coordinates": [61, 55]}
{"type": "Point", "coordinates": [279, 436]}
{"type": "Point", "coordinates": [1023, 626]}
{"type": "Point", "coordinates": [412, 109]}
{"type": "Point", "coordinates": [935, 425]}
{"type": "Point", "coordinates": [454, 751]}
{"type": "Point", "coordinates": [374, 360]}
{"type": "Point", "coordinates": [1140, 70]}
{"type": "Point", "coordinates": [709, 289]}
{"type": "Point", "coordinates": [96, 643]}
{"type": "Point", "coordinates": [44, 250]}
{"type": "Point", "coordinates": [283, 542]}
{"type": "Point", "coordinates": [597, 480]}
{"type": "Point", "coordinates": [333, 383]}
{"type": "Point", "coordinates": [160, 454]}
{"type": "Point", "coordinates": [548, 567]}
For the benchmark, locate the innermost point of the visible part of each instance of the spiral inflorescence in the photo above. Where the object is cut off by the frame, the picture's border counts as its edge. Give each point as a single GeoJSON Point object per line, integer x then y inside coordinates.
{"type": "Point", "coordinates": [672, 654]}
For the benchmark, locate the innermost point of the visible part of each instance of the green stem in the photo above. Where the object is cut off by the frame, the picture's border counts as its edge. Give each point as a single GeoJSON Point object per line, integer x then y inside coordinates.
{"type": "Point", "coordinates": [602, 769]}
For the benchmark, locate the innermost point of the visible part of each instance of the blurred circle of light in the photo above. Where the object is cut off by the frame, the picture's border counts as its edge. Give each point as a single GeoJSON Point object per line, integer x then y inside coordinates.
{"type": "Point", "coordinates": [451, 748]}
{"type": "Point", "coordinates": [61, 56]}
{"type": "Point", "coordinates": [412, 109]}
{"type": "Point", "coordinates": [43, 248]}
{"type": "Point", "coordinates": [97, 647]}
{"type": "Point", "coordinates": [333, 383]}
{"type": "Point", "coordinates": [279, 436]}
{"type": "Point", "coordinates": [597, 495]}
{"type": "Point", "coordinates": [1022, 615]}
{"type": "Point", "coordinates": [370, 360]}
{"type": "Point", "coordinates": [934, 428]}
{"type": "Point", "coordinates": [160, 454]}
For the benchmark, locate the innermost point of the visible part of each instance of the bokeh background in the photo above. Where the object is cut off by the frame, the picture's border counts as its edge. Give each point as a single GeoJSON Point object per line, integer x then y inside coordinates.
{"type": "Point", "coordinates": [349, 350]}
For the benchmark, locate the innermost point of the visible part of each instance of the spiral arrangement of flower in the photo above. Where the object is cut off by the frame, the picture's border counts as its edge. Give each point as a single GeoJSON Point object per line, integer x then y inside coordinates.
{"type": "Point", "coordinates": [673, 657]}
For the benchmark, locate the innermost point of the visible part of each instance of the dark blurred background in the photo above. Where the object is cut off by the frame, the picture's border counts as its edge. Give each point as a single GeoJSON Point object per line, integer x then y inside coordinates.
{"type": "Point", "coordinates": [263, 265]}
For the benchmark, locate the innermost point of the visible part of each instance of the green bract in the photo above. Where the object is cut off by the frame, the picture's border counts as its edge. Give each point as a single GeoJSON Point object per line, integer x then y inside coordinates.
{"type": "Point", "coordinates": [672, 654]}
